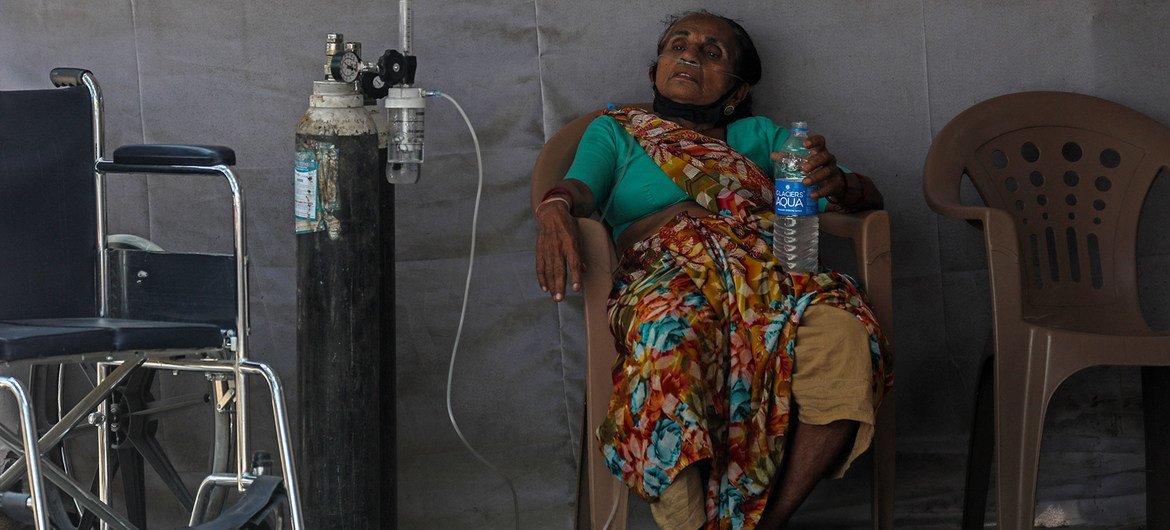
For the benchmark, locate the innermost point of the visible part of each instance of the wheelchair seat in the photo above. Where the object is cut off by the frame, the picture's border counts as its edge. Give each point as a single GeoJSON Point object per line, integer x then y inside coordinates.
{"type": "Point", "coordinates": [19, 342]}
{"type": "Point", "coordinates": [128, 334]}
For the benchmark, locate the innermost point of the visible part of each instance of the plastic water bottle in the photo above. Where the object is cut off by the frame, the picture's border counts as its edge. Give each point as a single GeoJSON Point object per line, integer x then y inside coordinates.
{"type": "Point", "coordinates": [795, 233]}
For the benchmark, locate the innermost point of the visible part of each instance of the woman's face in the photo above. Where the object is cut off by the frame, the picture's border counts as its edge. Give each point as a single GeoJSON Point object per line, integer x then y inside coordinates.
{"type": "Point", "coordinates": [704, 40]}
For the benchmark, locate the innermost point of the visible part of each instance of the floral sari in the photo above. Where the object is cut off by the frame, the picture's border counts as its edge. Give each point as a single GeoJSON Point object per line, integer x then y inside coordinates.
{"type": "Point", "coordinates": [706, 325]}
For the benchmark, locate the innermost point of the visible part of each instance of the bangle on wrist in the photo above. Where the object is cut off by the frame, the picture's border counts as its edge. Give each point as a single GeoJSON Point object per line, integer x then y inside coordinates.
{"type": "Point", "coordinates": [556, 198]}
{"type": "Point", "coordinates": [557, 190]}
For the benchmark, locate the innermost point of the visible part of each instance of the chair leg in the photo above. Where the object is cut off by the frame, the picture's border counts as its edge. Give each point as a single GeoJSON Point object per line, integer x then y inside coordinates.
{"type": "Point", "coordinates": [884, 450]}
{"type": "Point", "coordinates": [583, 500]}
{"type": "Point", "coordinates": [1156, 402]}
{"type": "Point", "coordinates": [1019, 420]}
{"type": "Point", "coordinates": [608, 497]}
{"type": "Point", "coordinates": [980, 450]}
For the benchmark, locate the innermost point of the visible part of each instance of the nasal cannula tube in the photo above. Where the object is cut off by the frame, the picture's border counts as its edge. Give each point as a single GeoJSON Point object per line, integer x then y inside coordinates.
{"type": "Point", "coordinates": [696, 64]}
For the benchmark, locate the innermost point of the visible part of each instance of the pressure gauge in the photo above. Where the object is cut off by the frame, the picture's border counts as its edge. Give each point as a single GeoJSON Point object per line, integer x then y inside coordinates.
{"type": "Point", "coordinates": [345, 67]}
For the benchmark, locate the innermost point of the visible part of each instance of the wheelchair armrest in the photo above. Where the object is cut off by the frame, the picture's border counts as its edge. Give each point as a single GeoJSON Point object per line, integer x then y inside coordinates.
{"type": "Point", "coordinates": [174, 155]}
{"type": "Point", "coordinates": [168, 158]}
{"type": "Point", "coordinates": [869, 230]}
{"type": "Point", "coordinates": [187, 160]}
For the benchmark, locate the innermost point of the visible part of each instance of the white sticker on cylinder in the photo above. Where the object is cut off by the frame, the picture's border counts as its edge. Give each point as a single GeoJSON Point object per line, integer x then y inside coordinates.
{"type": "Point", "coordinates": [307, 208]}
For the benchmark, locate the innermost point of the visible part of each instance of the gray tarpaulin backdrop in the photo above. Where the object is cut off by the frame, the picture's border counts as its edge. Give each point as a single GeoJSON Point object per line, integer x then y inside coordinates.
{"type": "Point", "coordinates": [879, 79]}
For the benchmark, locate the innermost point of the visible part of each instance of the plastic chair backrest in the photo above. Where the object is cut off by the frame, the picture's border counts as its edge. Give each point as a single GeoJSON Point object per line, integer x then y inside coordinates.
{"type": "Point", "coordinates": [1072, 171]}
{"type": "Point", "coordinates": [47, 204]}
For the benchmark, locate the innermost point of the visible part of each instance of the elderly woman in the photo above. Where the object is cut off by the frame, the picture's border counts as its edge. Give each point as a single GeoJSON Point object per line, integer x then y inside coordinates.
{"type": "Point", "coordinates": [719, 348]}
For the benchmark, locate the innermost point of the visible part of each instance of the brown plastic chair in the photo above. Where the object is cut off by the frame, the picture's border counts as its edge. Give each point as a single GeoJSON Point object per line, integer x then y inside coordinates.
{"type": "Point", "coordinates": [603, 500]}
{"type": "Point", "coordinates": [1064, 177]}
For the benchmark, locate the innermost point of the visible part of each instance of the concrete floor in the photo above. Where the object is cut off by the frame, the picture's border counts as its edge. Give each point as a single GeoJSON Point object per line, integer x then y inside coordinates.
{"type": "Point", "coordinates": [929, 496]}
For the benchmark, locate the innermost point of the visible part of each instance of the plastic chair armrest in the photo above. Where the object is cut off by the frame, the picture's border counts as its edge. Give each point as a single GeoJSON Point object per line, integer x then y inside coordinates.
{"type": "Point", "coordinates": [1003, 264]}
{"type": "Point", "coordinates": [943, 197]}
{"type": "Point", "coordinates": [870, 232]}
{"type": "Point", "coordinates": [596, 249]}
{"type": "Point", "coordinates": [960, 211]}
{"type": "Point", "coordinates": [940, 185]}
{"type": "Point", "coordinates": [999, 233]}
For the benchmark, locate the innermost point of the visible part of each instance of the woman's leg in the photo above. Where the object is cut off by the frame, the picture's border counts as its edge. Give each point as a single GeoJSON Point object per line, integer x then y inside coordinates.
{"type": "Point", "coordinates": [833, 400]}
{"type": "Point", "coordinates": [655, 436]}
{"type": "Point", "coordinates": [813, 450]}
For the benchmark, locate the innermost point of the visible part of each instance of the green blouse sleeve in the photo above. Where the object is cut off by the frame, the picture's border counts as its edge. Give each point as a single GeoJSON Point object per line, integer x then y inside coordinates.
{"type": "Point", "coordinates": [596, 159]}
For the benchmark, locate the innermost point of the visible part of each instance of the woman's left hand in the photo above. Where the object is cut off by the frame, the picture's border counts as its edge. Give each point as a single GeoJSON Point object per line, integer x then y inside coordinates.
{"type": "Point", "coordinates": [820, 169]}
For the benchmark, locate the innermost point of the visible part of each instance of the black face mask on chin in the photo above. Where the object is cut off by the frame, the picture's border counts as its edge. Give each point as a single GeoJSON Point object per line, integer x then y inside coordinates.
{"type": "Point", "coordinates": [712, 113]}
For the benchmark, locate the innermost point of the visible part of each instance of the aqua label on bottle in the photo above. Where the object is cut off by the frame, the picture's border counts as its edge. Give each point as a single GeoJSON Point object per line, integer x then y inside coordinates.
{"type": "Point", "coordinates": [792, 198]}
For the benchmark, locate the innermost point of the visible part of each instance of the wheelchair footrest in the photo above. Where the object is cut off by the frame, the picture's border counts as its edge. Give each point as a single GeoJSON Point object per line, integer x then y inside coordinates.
{"type": "Point", "coordinates": [265, 495]}
{"type": "Point", "coordinates": [15, 506]}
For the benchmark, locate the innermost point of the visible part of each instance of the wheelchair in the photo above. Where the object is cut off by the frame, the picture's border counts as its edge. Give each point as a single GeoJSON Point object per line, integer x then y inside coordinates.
{"type": "Point", "coordinates": [118, 311]}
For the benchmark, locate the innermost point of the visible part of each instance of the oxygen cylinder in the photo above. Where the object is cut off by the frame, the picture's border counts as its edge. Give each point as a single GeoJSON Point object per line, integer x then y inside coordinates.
{"type": "Point", "coordinates": [388, 423]}
{"type": "Point", "coordinates": [339, 307]}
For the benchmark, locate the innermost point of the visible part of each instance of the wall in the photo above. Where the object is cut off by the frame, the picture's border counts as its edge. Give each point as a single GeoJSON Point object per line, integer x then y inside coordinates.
{"type": "Point", "coordinates": [879, 79]}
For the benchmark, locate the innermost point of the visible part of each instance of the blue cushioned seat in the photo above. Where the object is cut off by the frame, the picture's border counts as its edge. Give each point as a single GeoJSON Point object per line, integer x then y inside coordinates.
{"type": "Point", "coordinates": [141, 334]}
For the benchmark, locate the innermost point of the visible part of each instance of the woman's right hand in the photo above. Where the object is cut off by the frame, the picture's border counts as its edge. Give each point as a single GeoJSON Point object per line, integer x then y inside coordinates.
{"type": "Point", "coordinates": [557, 247]}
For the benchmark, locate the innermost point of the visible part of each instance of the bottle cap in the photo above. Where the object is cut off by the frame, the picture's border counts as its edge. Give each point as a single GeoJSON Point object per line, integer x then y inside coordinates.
{"type": "Point", "coordinates": [800, 126]}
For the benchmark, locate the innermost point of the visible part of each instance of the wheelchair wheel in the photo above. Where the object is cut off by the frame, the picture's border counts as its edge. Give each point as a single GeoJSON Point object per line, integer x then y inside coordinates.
{"type": "Point", "coordinates": [134, 412]}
